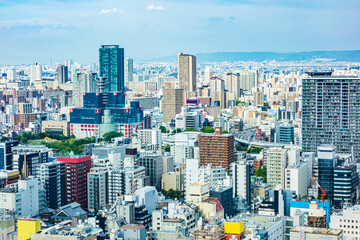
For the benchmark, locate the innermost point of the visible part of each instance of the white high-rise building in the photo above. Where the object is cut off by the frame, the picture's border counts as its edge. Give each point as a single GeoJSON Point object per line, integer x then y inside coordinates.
{"type": "Point", "coordinates": [208, 75]}
{"type": "Point", "coordinates": [297, 178]}
{"type": "Point", "coordinates": [11, 74]}
{"type": "Point", "coordinates": [240, 174]}
{"type": "Point", "coordinates": [21, 197]}
{"type": "Point", "coordinates": [347, 220]}
{"type": "Point", "coordinates": [276, 164]}
{"type": "Point", "coordinates": [184, 146]}
{"type": "Point", "coordinates": [36, 73]}
{"type": "Point", "coordinates": [150, 137]}
{"type": "Point", "coordinates": [129, 70]}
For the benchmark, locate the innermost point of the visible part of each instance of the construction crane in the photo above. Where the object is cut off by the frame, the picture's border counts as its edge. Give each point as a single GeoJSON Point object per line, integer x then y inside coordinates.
{"type": "Point", "coordinates": [323, 191]}
{"type": "Point", "coordinates": [250, 140]}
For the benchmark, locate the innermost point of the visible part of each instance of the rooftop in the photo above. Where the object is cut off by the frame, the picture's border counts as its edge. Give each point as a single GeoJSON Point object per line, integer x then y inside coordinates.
{"type": "Point", "coordinates": [323, 231]}
{"type": "Point", "coordinates": [133, 226]}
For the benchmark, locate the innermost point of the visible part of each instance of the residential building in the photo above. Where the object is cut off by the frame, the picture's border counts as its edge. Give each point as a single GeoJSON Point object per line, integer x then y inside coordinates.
{"type": "Point", "coordinates": [173, 99]}
{"type": "Point", "coordinates": [76, 170]}
{"type": "Point", "coordinates": [153, 164]}
{"type": "Point", "coordinates": [187, 72]}
{"type": "Point", "coordinates": [276, 159]}
{"type": "Point", "coordinates": [241, 178]}
{"type": "Point", "coordinates": [150, 137]}
{"type": "Point", "coordinates": [330, 112]}
{"type": "Point", "coordinates": [52, 176]}
{"type": "Point", "coordinates": [216, 148]}
{"type": "Point", "coordinates": [97, 187]}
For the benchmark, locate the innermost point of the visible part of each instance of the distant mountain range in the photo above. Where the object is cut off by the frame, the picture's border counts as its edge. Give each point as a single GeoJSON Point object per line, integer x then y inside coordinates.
{"type": "Point", "coordinates": [349, 56]}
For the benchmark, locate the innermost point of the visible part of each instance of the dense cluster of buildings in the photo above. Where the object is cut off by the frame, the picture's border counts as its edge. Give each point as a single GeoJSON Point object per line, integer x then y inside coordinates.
{"type": "Point", "coordinates": [244, 150]}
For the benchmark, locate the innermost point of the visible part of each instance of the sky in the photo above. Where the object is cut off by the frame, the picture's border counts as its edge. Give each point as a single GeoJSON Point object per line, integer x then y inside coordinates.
{"type": "Point", "coordinates": [56, 30]}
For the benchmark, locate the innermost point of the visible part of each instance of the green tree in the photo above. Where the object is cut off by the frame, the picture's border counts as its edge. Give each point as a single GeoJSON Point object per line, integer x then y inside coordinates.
{"type": "Point", "coordinates": [4, 139]}
{"type": "Point", "coordinates": [225, 131]}
{"type": "Point", "coordinates": [109, 136]}
{"type": "Point", "coordinates": [163, 129]}
{"type": "Point", "coordinates": [178, 130]}
{"type": "Point", "coordinates": [191, 129]}
{"type": "Point", "coordinates": [255, 150]}
{"type": "Point", "coordinates": [167, 147]}
{"type": "Point", "coordinates": [172, 194]}
{"type": "Point", "coordinates": [262, 172]}
{"type": "Point", "coordinates": [207, 129]}
{"type": "Point", "coordinates": [266, 104]}
{"type": "Point", "coordinates": [24, 139]}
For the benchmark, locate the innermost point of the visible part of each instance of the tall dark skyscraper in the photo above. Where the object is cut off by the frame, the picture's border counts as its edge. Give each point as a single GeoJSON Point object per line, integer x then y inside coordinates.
{"type": "Point", "coordinates": [111, 61]}
{"type": "Point", "coordinates": [62, 73]}
{"type": "Point", "coordinates": [330, 112]}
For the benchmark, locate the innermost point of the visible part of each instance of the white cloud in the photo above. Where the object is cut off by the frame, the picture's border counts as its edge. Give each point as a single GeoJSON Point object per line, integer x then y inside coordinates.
{"type": "Point", "coordinates": [152, 7]}
{"type": "Point", "coordinates": [33, 22]}
{"type": "Point", "coordinates": [108, 11]}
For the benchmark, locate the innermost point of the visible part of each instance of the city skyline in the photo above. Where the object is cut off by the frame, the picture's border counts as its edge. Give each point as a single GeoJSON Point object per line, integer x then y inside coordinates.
{"type": "Point", "coordinates": [57, 30]}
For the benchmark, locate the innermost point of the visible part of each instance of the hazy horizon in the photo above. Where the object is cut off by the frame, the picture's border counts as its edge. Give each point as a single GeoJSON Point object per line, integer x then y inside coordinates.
{"type": "Point", "coordinates": [44, 30]}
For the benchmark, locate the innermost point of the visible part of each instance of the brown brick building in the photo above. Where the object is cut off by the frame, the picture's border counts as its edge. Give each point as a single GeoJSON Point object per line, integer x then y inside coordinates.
{"type": "Point", "coordinates": [216, 148]}
{"type": "Point", "coordinates": [76, 170]}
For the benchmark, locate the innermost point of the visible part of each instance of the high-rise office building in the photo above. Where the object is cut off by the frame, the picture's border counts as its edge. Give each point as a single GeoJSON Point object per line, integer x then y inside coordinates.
{"type": "Point", "coordinates": [111, 60]}
{"type": "Point", "coordinates": [83, 83]}
{"type": "Point", "coordinates": [216, 148]}
{"type": "Point", "coordinates": [11, 75]}
{"type": "Point", "coordinates": [258, 99]}
{"type": "Point", "coordinates": [187, 72]}
{"type": "Point", "coordinates": [6, 154]}
{"type": "Point", "coordinates": [27, 158]}
{"type": "Point", "coordinates": [153, 164]}
{"type": "Point", "coordinates": [346, 181]}
{"type": "Point", "coordinates": [330, 112]}
{"type": "Point", "coordinates": [129, 70]}
{"type": "Point", "coordinates": [36, 73]}
{"type": "Point", "coordinates": [52, 176]}
{"type": "Point", "coordinates": [62, 73]}
{"type": "Point", "coordinates": [243, 80]}
{"type": "Point", "coordinates": [326, 165]}
{"type": "Point", "coordinates": [76, 170]}
{"type": "Point", "coordinates": [172, 102]}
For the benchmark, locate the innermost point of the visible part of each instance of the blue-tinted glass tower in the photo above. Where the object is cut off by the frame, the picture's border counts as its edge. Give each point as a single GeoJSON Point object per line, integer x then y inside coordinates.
{"type": "Point", "coordinates": [111, 61]}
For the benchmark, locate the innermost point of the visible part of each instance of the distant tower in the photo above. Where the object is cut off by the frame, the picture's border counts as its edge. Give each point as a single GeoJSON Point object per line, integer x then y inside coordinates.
{"type": "Point", "coordinates": [36, 73]}
{"type": "Point", "coordinates": [187, 72]}
{"type": "Point", "coordinates": [62, 73]}
{"type": "Point", "coordinates": [111, 60]}
{"type": "Point", "coordinates": [129, 70]}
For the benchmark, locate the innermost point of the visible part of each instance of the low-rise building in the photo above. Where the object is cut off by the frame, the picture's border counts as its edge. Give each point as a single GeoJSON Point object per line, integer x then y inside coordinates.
{"type": "Point", "coordinates": [299, 233]}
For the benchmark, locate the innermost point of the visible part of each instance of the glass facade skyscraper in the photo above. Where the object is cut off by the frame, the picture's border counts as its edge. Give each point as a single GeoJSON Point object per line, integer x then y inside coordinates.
{"type": "Point", "coordinates": [330, 112]}
{"type": "Point", "coordinates": [326, 165]}
{"type": "Point", "coordinates": [111, 60]}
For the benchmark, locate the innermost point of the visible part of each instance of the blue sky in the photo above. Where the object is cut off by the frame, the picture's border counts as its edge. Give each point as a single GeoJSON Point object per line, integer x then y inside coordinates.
{"type": "Point", "coordinates": [43, 30]}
